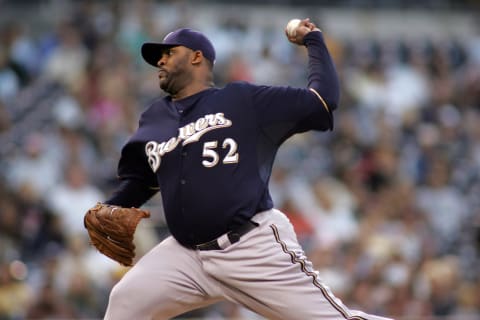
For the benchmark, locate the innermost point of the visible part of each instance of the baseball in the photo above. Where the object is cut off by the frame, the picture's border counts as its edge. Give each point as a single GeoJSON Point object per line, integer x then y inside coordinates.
{"type": "Point", "coordinates": [292, 26]}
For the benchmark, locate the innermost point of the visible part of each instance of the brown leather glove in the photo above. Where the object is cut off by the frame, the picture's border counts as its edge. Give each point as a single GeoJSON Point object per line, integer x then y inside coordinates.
{"type": "Point", "coordinates": [111, 230]}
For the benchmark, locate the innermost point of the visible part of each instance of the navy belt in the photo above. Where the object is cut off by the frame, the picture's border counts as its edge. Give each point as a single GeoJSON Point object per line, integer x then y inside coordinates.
{"type": "Point", "coordinates": [228, 238]}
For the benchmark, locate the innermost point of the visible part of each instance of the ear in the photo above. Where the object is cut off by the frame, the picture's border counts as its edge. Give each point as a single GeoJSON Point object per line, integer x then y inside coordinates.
{"type": "Point", "coordinates": [197, 57]}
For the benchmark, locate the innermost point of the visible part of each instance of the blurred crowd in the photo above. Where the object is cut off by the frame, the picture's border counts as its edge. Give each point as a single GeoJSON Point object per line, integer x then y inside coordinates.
{"type": "Point", "coordinates": [386, 205]}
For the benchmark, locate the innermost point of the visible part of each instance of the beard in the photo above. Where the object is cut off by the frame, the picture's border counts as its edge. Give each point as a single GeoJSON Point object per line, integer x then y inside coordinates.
{"type": "Point", "coordinates": [175, 79]}
{"type": "Point", "coordinates": [166, 84]}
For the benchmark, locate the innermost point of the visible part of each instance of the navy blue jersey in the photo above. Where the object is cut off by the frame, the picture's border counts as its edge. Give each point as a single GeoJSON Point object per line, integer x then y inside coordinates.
{"type": "Point", "coordinates": [211, 154]}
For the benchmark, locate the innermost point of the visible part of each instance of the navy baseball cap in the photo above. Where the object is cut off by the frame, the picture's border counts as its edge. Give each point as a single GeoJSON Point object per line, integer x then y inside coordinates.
{"type": "Point", "coordinates": [195, 40]}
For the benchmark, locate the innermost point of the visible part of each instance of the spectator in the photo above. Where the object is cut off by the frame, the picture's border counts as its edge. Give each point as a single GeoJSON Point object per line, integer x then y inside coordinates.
{"type": "Point", "coordinates": [9, 80]}
{"type": "Point", "coordinates": [75, 189]}
{"type": "Point", "coordinates": [34, 167]}
{"type": "Point", "coordinates": [68, 60]}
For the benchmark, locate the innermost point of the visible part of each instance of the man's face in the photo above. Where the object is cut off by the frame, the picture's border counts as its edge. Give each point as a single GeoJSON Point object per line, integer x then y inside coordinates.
{"type": "Point", "coordinates": [174, 72]}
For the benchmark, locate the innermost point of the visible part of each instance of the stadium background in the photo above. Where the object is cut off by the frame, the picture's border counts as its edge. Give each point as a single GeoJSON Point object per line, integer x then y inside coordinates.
{"type": "Point", "coordinates": [387, 205]}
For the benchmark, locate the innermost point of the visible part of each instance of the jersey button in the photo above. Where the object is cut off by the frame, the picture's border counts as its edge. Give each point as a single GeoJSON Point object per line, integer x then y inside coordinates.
{"type": "Point", "coordinates": [183, 181]}
{"type": "Point", "coordinates": [184, 153]}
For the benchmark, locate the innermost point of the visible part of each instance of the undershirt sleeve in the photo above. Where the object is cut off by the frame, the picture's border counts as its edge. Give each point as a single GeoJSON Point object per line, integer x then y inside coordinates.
{"type": "Point", "coordinates": [322, 76]}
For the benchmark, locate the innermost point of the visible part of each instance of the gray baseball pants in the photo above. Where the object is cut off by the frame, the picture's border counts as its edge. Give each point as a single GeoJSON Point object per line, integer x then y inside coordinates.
{"type": "Point", "coordinates": [266, 272]}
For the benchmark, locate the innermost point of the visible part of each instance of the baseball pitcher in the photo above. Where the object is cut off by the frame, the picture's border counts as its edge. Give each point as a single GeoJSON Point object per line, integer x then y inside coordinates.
{"type": "Point", "coordinates": [210, 151]}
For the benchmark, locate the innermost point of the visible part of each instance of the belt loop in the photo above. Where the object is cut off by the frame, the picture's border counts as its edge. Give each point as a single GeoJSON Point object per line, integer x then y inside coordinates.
{"type": "Point", "coordinates": [228, 238]}
{"type": "Point", "coordinates": [224, 241]}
